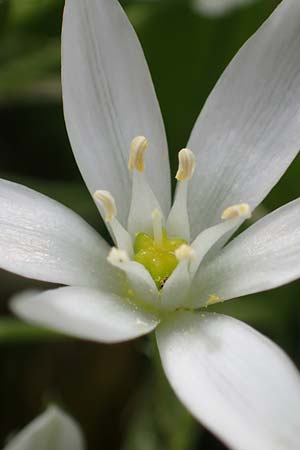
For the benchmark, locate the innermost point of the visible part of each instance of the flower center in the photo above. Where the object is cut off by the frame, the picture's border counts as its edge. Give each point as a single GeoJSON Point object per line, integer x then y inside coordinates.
{"type": "Point", "coordinates": [154, 247]}
{"type": "Point", "coordinates": [157, 257]}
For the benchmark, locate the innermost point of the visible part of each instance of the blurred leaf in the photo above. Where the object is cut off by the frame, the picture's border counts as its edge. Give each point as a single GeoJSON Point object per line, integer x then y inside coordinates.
{"type": "Point", "coordinates": [33, 65]}
{"type": "Point", "coordinates": [14, 331]}
{"type": "Point", "coordinates": [160, 421]}
{"type": "Point", "coordinates": [4, 10]}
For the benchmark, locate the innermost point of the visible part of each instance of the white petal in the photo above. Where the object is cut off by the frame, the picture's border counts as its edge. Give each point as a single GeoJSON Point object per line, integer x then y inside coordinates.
{"type": "Point", "coordinates": [263, 257]}
{"type": "Point", "coordinates": [42, 239]}
{"type": "Point", "coordinates": [140, 283]}
{"type": "Point", "coordinates": [218, 7]}
{"type": "Point", "coordinates": [52, 430]}
{"type": "Point", "coordinates": [234, 380]}
{"type": "Point", "coordinates": [178, 223]}
{"type": "Point", "coordinates": [143, 203]}
{"type": "Point", "coordinates": [248, 132]}
{"type": "Point", "coordinates": [208, 238]}
{"type": "Point", "coordinates": [177, 287]}
{"type": "Point", "coordinates": [109, 99]}
{"type": "Point", "coordinates": [84, 313]}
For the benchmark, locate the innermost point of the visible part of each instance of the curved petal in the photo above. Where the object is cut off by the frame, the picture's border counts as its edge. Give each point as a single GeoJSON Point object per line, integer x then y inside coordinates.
{"type": "Point", "coordinates": [234, 380]}
{"type": "Point", "coordinates": [218, 7]}
{"type": "Point", "coordinates": [176, 289]}
{"type": "Point", "coordinates": [248, 132]}
{"type": "Point", "coordinates": [206, 241]}
{"type": "Point", "coordinates": [42, 239]}
{"type": "Point", "coordinates": [109, 99]}
{"type": "Point", "coordinates": [51, 430]}
{"type": "Point", "coordinates": [263, 257]}
{"type": "Point", "coordinates": [84, 313]}
{"type": "Point", "coordinates": [141, 283]}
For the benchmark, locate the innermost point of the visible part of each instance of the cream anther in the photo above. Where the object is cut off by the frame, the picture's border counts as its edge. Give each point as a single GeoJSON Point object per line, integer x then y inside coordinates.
{"type": "Point", "coordinates": [108, 204]}
{"type": "Point", "coordinates": [157, 226]}
{"type": "Point", "coordinates": [187, 165]}
{"type": "Point", "coordinates": [116, 257]}
{"type": "Point", "coordinates": [136, 158]}
{"type": "Point", "coordinates": [185, 252]}
{"type": "Point", "coordinates": [242, 210]}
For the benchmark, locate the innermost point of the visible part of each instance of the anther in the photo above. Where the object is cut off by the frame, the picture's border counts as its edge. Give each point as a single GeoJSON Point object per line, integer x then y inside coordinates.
{"type": "Point", "coordinates": [157, 226]}
{"type": "Point", "coordinates": [187, 165]}
{"type": "Point", "coordinates": [108, 204]}
{"type": "Point", "coordinates": [185, 252]}
{"type": "Point", "coordinates": [137, 150]}
{"type": "Point", "coordinates": [242, 210]}
{"type": "Point", "coordinates": [117, 257]}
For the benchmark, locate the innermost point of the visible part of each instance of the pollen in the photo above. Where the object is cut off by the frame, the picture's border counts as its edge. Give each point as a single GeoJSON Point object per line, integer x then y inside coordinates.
{"type": "Point", "coordinates": [235, 211]}
{"type": "Point", "coordinates": [213, 299]}
{"type": "Point", "coordinates": [187, 165]}
{"type": "Point", "coordinates": [108, 204]}
{"type": "Point", "coordinates": [137, 150]}
{"type": "Point", "coordinates": [158, 258]}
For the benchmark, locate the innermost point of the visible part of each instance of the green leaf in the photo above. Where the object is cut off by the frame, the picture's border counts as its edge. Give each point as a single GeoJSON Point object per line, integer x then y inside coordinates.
{"type": "Point", "coordinates": [13, 331]}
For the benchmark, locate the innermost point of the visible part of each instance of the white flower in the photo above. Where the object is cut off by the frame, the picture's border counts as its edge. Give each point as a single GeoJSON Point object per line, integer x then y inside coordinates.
{"type": "Point", "coordinates": [52, 430]}
{"type": "Point", "coordinates": [218, 7]}
{"type": "Point", "coordinates": [231, 378]}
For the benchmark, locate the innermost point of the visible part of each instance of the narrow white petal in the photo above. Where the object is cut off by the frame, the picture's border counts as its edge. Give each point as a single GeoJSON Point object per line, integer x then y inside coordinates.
{"type": "Point", "coordinates": [141, 285]}
{"type": "Point", "coordinates": [52, 430]}
{"type": "Point", "coordinates": [178, 224]}
{"type": "Point", "coordinates": [84, 313]}
{"type": "Point", "coordinates": [263, 257]}
{"type": "Point", "coordinates": [208, 238]}
{"type": "Point", "coordinates": [41, 239]}
{"type": "Point", "coordinates": [234, 380]}
{"type": "Point", "coordinates": [177, 287]}
{"type": "Point", "coordinates": [248, 132]}
{"type": "Point", "coordinates": [143, 203]}
{"type": "Point", "coordinates": [109, 99]}
{"type": "Point", "coordinates": [218, 7]}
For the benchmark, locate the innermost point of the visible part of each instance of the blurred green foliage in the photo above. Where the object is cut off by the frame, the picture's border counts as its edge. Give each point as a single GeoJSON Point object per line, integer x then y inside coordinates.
{"type": "Point", "coordinates": [134, 408]}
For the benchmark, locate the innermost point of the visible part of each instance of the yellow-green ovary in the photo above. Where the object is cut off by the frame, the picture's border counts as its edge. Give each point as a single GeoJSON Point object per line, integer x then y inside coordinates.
{"type": "Point", "coordinates": [158, 259]}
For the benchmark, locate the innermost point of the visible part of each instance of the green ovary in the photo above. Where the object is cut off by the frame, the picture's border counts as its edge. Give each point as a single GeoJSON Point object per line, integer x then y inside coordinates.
{"type": "Point", "coordinates": [158, 259]}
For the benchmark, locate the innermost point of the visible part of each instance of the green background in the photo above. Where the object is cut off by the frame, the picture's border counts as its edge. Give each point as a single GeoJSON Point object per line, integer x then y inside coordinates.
{"type": "Point", "coordinates": [118, 395]}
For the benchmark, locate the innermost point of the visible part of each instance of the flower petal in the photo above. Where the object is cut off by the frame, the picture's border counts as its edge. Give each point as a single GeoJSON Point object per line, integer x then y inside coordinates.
{"type": "Point", "coordinates": [263, 257]}
{"type": "Point", "coordinates": [206, 240]}
{"type": "Point", "coordinates": [218, 7]}
{"type": "Point", "coordinates": [177, 287]}
{"type": "Point", "coordinates": [84, 313]}
{"type": "Point", "coordinates": [51, 430]}
{"type": "Point", "coordinates": [234, 380]}
{"type": "Point", "coordinates": [248, 132]}
{"type": "Point", "coordinates": [43, 239]}
{"type": "Point", "coordinates": [109, 99]}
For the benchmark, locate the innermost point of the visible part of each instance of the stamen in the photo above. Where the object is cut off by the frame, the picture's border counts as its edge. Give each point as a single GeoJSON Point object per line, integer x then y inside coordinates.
{"type": "Point", "coordinates": [185, 252]}
{"type": "Point", "coordinates": [178, 220]}
{"type": "Point", "coordinates": [242, 210]}
{"type": "Point", "coordinates": [117, 257]}
{"type": "Point", "coordinates": [137, 150]}
{"type": "Point", "coordinates": [187, 165]}
{"type": "Point", "coordinates": [108, 204]}
{"type": "Point", "coordinates": [157, 226]}
{"type": "Point", "coordinates": [120, 236]}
